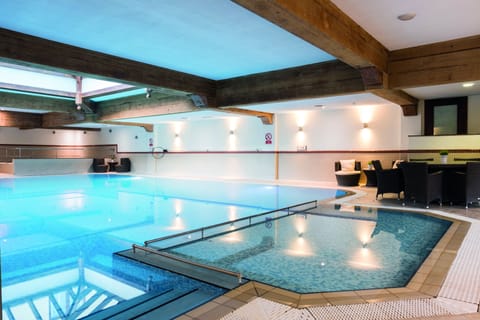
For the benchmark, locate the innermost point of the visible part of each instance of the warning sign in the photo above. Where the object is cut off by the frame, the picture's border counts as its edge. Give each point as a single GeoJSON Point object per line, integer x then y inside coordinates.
{"type": "Point", "coordinates": [268, 138]}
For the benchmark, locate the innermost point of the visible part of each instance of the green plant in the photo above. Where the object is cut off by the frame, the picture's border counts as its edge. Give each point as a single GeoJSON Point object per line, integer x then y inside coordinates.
{"type": "Point", "coordinates": [444, 152]}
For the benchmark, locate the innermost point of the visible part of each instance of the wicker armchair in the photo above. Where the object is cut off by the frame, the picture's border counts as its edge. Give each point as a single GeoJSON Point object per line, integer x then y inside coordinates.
{"type": "Point", "coordinates": [347, 176]}
{"type": "Point", "coordinates": [388, 180]}
{"type": "Point", "coordinates": [420, 185]}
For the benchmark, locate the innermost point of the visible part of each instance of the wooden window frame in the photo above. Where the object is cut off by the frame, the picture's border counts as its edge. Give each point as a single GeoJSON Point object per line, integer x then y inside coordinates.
{"type": "Point", "coordinates": [462, 113]}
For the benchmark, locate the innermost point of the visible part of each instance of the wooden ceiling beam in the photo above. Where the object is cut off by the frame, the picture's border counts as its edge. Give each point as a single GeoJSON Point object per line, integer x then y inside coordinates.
{"type": "Point", "coordinates": [311, 81]}
{"type": "Point", "coordinates": [265, 117]}
{"type": "Point", "coordinates": [147, 126]}
{"type": "Point", "coordinates": [435, 64]}
{"type": "Point", "coordinates": [26, 50]}
{"type": "Point", "coordinates": [324, 25]}
{"type": "Point", "coordinates": [140, 106]}
{"type": "Point", "coordinates": [20, 120]}
{"type": "Point", "coordinates": [33, 102]}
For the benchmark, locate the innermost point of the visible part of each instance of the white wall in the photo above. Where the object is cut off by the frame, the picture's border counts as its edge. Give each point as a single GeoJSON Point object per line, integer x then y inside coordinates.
{"type": "Point", "coordinates": [474, 114]}
{"type": "Point", "coordinates": [342, 129]}
{"type": "Point", "coordinates": [205, 147]}
{"type": "Point", "coordinates": [214, 135]}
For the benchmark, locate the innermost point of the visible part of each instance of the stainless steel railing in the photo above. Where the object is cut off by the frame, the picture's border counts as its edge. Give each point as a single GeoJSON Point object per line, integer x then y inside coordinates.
{"type": "Point", "coordinates": [176, 258]}
{"type": "Point", "coordinates": [9, 152]}
{"type": "Point", "coordinates": [225, 227]}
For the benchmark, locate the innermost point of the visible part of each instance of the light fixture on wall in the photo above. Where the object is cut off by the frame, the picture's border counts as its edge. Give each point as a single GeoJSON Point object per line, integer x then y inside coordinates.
{"type": "Point", "coordinates": [177, 135]}
{"type": "Point", "coordinates": [365, 125]}
{"type": "Point", "coordinates": [300, 129]}
{"type": "Point", "coordinates": [232, 132]}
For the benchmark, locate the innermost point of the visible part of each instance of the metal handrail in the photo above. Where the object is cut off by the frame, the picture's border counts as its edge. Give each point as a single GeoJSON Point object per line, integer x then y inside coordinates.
{"type": "Point", "coordinates": [176, 258]}
{"type": "Point", "coordinates": [9, 152]}
{"type": "Point", "coordinates": [249, 218]}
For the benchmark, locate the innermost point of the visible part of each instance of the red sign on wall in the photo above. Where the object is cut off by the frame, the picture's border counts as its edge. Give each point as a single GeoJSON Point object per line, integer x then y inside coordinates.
{"type": "Point", "coordinates": [268, 138]}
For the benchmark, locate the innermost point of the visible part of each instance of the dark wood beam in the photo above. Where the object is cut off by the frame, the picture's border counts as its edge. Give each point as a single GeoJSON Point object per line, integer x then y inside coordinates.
{"type": "Point", "coordinates": [324, 25]}
{"type": "Point", "coordinates": [59, 119]}
{"type": "Point", "coordinates": [376, 82]}
{"type": "Point", "coordinates": [435, 64]}
{"type": "Point", "coordinates": [32, 102]}
{"type": "Point", "coordinates": [32, 51]}
{"type": "Point", "coordinates": [311, 81]}
{"type": "Point", "coordinates": [139, 106]}
{"type": "Point", "coordinates": [20, 120]}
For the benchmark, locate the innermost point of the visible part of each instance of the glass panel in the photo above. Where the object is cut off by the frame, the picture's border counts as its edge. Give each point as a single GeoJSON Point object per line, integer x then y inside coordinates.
{"type": "Point", "coordinates": [445, 120]}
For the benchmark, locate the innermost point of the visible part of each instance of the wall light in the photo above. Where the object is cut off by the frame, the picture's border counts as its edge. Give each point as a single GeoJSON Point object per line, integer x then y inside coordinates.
{"type": "Point", "coordinates": [300, 129]}
{"type": "Point", "coordinates": [232, 132]}
{"type": "Point", "coordinates": [365, 125]}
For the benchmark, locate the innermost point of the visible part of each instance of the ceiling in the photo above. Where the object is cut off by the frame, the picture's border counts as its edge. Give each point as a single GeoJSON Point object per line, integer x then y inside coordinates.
{"type": "Point", "coordinates": [219, 39]}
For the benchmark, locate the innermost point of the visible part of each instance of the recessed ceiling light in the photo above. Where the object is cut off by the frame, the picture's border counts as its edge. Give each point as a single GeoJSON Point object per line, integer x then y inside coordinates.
{"type": "Point", "coordinates": [468, 84]}
{"type": "Point", "coordinates": [406, 16]}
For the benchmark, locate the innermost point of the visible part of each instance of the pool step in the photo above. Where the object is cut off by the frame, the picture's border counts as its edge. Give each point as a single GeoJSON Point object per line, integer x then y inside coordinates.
{"type": "Point", "coordinates": [169, 304]}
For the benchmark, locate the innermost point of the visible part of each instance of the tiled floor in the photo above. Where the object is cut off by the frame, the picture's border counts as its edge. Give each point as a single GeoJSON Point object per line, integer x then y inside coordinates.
{"type": "Point", "coordinates": [451, 278]}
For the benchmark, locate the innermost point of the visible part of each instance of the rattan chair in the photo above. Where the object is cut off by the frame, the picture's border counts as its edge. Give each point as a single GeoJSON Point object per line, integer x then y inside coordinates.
{"type": "Point", "coordinates": [124, 165]}
{"type": "Point", "coordinates": [420, 185]}
{"type": "Point", "coordinates": [348, 177]}
{"type": "Point", "coordinates": [99, 165]}
{"type": "Point", "coordinates": [469, 183]}
{"type": "Point", "coordinates": [388, 180]}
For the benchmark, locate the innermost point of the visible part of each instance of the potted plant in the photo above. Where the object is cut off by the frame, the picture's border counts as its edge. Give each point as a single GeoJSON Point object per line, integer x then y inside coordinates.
{"type": "Point", "coordinates": [370, 165]}
{"type": "Point", "coordinates": [443, 156]}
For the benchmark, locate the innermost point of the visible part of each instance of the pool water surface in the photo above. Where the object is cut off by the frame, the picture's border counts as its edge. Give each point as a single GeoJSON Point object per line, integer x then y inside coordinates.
{"type": "Point", "coordinates": [308, 253]}
{"type": "Point", "coordinates": [58, 234]}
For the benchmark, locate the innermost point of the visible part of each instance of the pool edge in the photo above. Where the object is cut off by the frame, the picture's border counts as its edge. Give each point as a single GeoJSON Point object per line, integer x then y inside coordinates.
{"type": "Point", "coordinates": [426, 283]}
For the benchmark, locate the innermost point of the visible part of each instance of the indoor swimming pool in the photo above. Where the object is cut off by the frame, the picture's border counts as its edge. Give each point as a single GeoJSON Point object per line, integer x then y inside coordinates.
{"type": "Point", "coordinates": [58, 235]}
{"type": "Point", "coordinates": [336, 249]}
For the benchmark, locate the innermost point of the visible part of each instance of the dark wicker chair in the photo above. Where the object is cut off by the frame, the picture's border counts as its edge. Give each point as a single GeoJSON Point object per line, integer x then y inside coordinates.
{"type": "Point", "coordinates": [99, 165]}
{"type": "Point", "coordinates": [469, 183]}
{"type": "Point", "coordinates": [420, 185]}
{"type": "Point", "coordinates": [388, 180]}
{"type": "Point", "coordinates": [124, 165]}
{"type": "Point", "coordinates": [347, 178]}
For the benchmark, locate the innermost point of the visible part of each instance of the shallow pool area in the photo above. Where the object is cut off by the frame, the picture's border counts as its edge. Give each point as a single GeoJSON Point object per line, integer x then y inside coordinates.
{"type": "Point", "coordinates": [58, 235]}
{"type": "Point", "coordinates": [333, 249]}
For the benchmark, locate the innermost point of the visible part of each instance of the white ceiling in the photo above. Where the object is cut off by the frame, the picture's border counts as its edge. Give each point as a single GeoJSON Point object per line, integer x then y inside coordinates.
{"type": "Point", "coordinates": [218, 39]}
{"type": "Point", "coordinates": [435, 20]}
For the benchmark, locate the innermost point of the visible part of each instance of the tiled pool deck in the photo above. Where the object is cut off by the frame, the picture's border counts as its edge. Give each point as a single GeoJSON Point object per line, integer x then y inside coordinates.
{"type": "Point", "coordinates": [447, 286]}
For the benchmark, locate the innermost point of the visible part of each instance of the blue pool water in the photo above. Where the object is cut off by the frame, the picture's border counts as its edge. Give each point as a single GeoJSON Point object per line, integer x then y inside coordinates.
{"type": "Point", "coordinates": [322, 252]}
{"type": "Point", "coordinates": [58, 235]}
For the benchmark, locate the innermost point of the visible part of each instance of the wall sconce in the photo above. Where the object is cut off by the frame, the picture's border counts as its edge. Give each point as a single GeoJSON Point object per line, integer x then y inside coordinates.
{"type": "Point", "coordinates": [232, 132]}
{"type": "Point", "coordinates": [177, 135]}
{"type": "Point", "coordinates": [365, 125]}
{"type": "Point", "coordinates": [300, 129]}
